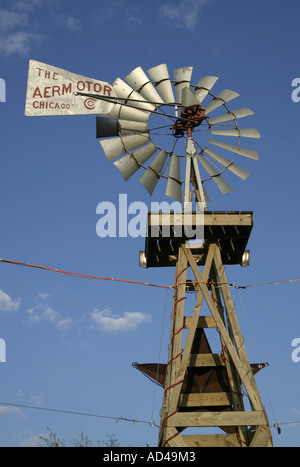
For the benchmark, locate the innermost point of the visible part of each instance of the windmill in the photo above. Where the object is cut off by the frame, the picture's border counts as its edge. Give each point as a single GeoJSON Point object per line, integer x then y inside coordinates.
{"type": "Point", "coordinates": [202, 388]}
{"type": "Point", "coordinates": [128, 138]}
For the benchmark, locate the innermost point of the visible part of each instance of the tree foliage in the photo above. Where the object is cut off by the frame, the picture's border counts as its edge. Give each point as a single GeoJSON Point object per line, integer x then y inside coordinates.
{"type": "Point", "coordinates": [52, 440]}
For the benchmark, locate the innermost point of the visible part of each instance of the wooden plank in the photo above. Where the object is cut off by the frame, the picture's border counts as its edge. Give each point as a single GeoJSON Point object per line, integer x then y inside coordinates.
{"type": "Point", "coordinates": [236, 332]}
{"type": "Point", "coordinates": [162, 431]}
{"type": "Point", "coordinates": [198, 360]}
{"type": "Point", "coordinates": [214, 419]}
{"type": "Point", "coordinates": [211, 441]}
{"type": "Point", "coordinates": [174, 398]}
{"type": "Point", "coordinates": [176, 339]}
{"type": "Point", "coordinates": [176, 331]}
{"type": "Point", "coordinates": [203, 322]}
{"type": "Point", "coordinates": [234, 382]}
{"type": "Point", "coordinates": [262, 438]}
{"type": "Point", "coordinates": [242, 371]}
{"type": "Point", "coordinates": [214, 219]}
{"type": "Point", "coordinates": [174, 439]}
{"type": "Point", "coordinates": [213, 399]}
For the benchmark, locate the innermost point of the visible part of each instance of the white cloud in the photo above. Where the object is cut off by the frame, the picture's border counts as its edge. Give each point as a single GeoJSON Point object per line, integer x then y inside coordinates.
{"type": "Point", "coordinates": [184, 14]}
{"type": "Point", "coordinates": [28, 5]}
{"type": "Point", "coordinates": [10, 20]}
{"type": "Point", "coordinates": [43, 296]}
{"type": "Point", "coordinates": [31, 441]}
{"type": "Point", "coordinates": [11, 410]}
{"type": "Point", "coordinates": [133, 20]}
{"type": "Point", "coordinates": [68, 22]}
{"type": "Point", "coordinates": [36, 399]}
{"type": "Point", "coordinates": [7, 304]}
{"type": "Point", "coordinates": [19, 43]}
{"type": "Point", "coordinates": [41, 311]}
{"type": "Point", "coordinates": [17, 34]}
{"type": "Point", "coordinates": [105, 320]}
{"type": "Point", "coordinates": [64, 324]}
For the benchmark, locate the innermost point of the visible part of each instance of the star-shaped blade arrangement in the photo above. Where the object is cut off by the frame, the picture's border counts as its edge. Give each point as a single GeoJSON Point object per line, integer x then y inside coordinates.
{"type": "Point", "coordinates": [127, 139]}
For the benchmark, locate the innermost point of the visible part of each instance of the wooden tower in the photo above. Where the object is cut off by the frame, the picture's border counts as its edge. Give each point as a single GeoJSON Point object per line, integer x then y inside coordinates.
{"type": "Point", "coordinates": [203, 388]}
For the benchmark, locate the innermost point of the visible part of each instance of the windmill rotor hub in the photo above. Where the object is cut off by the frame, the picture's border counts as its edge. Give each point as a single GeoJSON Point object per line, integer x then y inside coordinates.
{"type": "Point", "coordinates": [190, 117]}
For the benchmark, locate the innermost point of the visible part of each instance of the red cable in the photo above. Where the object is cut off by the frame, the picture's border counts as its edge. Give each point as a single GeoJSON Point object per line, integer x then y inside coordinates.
{"type": "Point", "coordinates": [169, 439]}
{"type": "Point", "coordinates": [88, 276]}
{"type": "Point", "coordinates": [174, 358]}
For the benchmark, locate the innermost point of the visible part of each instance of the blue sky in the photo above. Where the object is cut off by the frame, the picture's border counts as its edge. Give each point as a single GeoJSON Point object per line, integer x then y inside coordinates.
{"type": "Point", "coordinates": [61, 353]}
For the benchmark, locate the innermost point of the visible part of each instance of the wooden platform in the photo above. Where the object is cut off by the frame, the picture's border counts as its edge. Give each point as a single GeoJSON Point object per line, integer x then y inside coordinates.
{"type": "Point", "coordinates": [230, 230]}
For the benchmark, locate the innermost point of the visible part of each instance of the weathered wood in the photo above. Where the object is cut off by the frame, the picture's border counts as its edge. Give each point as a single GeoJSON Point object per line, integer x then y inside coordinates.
{"type": "Point", "coordinates": [175, 414]}
{"type": "Point", "coordinates": [209, 441]}
{"type": "Point", "coordinates": [233, 379]}
{"type": "Point", "coordinates": [214, 419]}
{"type": "Point", "coordinates": [203, 322]}
{"type": "Point", "coordinates": [243, 373]}
{"type": "Point", "coordinates": [198, 360]}
{"type": "Point", "coordinates": [235, 330]}
{"type": "Point", "coordinates": [176, 339]}
{"type": "Point", "coordinates": [213, 219]}
{"type": "Point", "coordinates": [162, 432]}
{"type": "Point", "coordinates": [191, 334]}
{"type": "Point", "coordinates": [173, 439]}
{"type": "Point", "coordinates": [212, 399]}
{"type": "Point", "coordinates": [262, 437]}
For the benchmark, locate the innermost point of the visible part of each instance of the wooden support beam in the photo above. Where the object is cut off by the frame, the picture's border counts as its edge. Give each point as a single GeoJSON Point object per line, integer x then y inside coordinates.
{"type": "Point", "coordinates": [173, 439]}
{"type": "Point", "coordinates": [261, 438]}
{"type": "Point", "coordinates": [243, 373]}
{"type": "Point", "coordinates": [212, 399]}
{"type": "Point", "coordinates": [208, 441]}
{"type": "Point", "coordinates": [174, 397]}
{"type": "Point", "coordinates": [217, 409]}
{"type": "Point", "coordinates": [203, 360]}
{"type": "Point", "coordinates": [203, 322]}
{"type": "Point", "coordinates": [216, 419]}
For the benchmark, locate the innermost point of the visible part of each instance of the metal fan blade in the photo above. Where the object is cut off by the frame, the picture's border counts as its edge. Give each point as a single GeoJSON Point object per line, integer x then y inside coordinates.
{"type": "Point", "coordinates": [124, 91]}
{"type": "Point", "coordinates": [204, 86]}
{"type": "Point", "coordinates": [116, 147]}
{"type": "Point", "coordinates": [188, 98]}
{"type": "Point", "coordinates": [161, 79]}
{"type": "Point", "coordinates": [222, 98]}
{"type": "Point", "coordinates": [207, 198]}
{"type": "Point", "coordinates": [232, 115]}
{"type": "Point", "coordinates": [129, 113]}
{"type": "Point", "coordinates": [150, 178]}
{"type": "Point", "coordinates": [237, 150]}
{"type": "Point", "coordinates": [174, 185]}
{"type": "Point", "coordinates": [106, 127]}
{"type": "Point", "coordinates": [243, 174]}
{"type": "Point", "coordinates": [126, 127]}
{"type": "Point", "coordinates": [140, 82]}
{"type": "Point", "coordinates": [246, 133]}
{"type": "Point", "coordinates": [128, 165]}
{"type": "Point", "coordinates": [221, 184]}
{"type": "Point", "coordinates": [182, 77]}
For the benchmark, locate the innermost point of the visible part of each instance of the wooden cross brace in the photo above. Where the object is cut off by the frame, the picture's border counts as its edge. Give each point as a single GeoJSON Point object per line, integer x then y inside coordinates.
{"type": "Point", "coordinates": [238, 368]}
